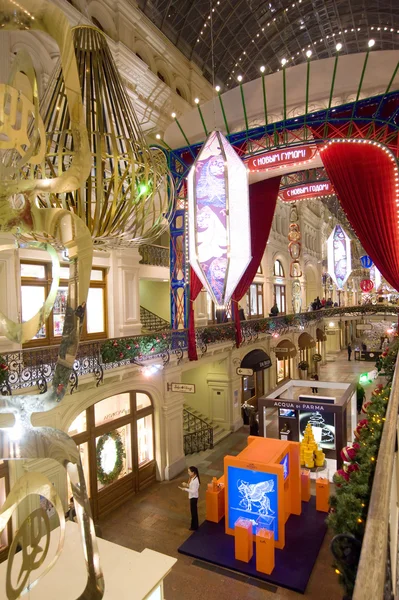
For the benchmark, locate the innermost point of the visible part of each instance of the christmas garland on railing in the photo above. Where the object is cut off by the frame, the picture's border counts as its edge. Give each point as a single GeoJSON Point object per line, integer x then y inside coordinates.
{"type": "Point", "coordinates": [131, 348]}
{"type": "Point", "coordinates": [3, 370]}
{"type": "Point", "coordinates": [354, 482]}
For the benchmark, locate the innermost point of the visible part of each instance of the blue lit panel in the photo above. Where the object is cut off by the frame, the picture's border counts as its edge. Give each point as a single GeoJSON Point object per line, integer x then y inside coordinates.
{"type": "Point", "coordinates": [286, 464]}
{"type": "Point", "coordinates": [254, 496]}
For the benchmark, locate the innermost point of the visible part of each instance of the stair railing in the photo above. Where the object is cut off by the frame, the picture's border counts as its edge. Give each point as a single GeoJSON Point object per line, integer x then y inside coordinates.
{"type": "Point", "coordinates": [198, 434]}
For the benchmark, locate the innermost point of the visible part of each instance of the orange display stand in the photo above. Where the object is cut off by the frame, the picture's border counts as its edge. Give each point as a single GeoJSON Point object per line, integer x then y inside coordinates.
{"type": "Point", "coordinates": [263, 481]}
{"type": "Point", "coordinates": [305, 485]}
{"type": "Point", "coordinates": [243, 540]}
{"type": "Point", "coordinates": [214, 503]}
{"type": "Point", "coordinates": [322, 494]}
{"type": "Point", "coordinates": [264, 551]}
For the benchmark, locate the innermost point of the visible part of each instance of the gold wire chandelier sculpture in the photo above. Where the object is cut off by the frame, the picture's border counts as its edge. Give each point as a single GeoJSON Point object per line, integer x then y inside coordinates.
{"type": "Point", "coordinates": [128, 198]}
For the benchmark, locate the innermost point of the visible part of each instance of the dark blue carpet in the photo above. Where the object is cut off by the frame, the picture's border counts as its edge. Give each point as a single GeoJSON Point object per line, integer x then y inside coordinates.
{"type": "Point", "coordinates": [293, 566]}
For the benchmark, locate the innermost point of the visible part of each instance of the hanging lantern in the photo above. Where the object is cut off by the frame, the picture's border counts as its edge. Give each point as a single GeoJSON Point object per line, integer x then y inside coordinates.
{"type": "Point", "coordinates": [339, 256]}
{"type": "Point", "coordinates": [366, 285]}
{"type": "Point", "coordinates": [219, 221]}
{"type": "Point", "coordinates": [127, 197]}
{"type": "Point", "coordinates": [366, 262]}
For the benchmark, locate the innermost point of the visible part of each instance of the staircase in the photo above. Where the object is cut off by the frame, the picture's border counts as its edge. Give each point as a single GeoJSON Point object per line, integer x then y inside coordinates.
{"type": "Point", "coordinates": [152, 322]}
{"type": "Point", "coordinates": [200, 433]}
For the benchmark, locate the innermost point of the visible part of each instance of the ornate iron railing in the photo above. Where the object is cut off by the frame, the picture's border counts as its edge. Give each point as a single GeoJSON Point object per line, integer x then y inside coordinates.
{"type": "Point", "coordinates": [157, 256]}
{"type": "Point", "coordinates": [35, 367]}
{"type": "Point", "coordinates": [152, 322]}
{"type": "Point", "coordinates": [198, 434]}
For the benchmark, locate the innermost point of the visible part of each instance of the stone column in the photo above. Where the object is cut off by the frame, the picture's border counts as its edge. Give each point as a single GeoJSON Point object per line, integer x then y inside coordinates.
{"type": "Point", "coordinates": [172, 426]}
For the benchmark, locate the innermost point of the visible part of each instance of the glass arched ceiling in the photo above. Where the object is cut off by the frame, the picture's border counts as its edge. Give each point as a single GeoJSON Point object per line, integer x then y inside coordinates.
{"type": "Point", "coordinates": [251, 33]}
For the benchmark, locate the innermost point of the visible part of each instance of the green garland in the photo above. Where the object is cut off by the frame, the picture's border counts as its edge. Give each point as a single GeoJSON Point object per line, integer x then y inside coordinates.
{"type": "Point", "coordinates": [3, 370]}
{"type": "Point", "coordinates": [354, 482]}
{"type": "Point", "coordinates": [102, 476]}
{"type": "Point", "coordinates": [132, 348]}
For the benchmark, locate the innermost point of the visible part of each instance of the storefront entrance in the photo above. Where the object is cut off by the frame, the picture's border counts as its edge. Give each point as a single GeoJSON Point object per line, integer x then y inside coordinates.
{"type": "Point", "coordinates": [253, 386]}
{"type": "Point", "coordinates": [116, 440]}
{"type": "Point", "coordinates": [285, 352]}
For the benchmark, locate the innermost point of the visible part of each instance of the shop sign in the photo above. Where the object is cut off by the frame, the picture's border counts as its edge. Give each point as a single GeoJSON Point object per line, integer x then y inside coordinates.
{"type": "Point", "coordinates": [305, 192]}
{"type": "Point", "coordinates": [317, 357]}
{"type": "Point", "coordinates": [329, 332]}
{"type": "Point", "coordinates": [281, 158]}
{"type": "Point", "coordinates": [366, 261]}
{"type": "Point", "coordinates": [185, 388]}
{"type": "Point", "coordinates": [280, 350]}
{"type": "Point", "coordinates": [245, 372]}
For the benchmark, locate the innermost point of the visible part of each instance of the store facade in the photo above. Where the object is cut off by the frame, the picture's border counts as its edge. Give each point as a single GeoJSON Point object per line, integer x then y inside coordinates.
{"type": "Point", "coordinates": [285, 353]}
{"type": "Point", "coordinates": [117, 444]}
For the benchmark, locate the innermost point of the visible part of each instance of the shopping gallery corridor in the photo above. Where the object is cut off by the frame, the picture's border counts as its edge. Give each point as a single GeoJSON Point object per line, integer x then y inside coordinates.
{"type": "Point", "coordinates": [158, 518]}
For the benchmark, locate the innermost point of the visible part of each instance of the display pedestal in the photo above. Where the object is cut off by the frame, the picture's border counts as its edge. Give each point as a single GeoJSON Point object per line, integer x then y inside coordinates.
{"type": "Point", "coordinates": [305, 485]}
{"type": "Point", "coordinates": [243, 544]}
{"type": "Point", "coordinates": [128, 575]}
{"type": "Point", "coordinates": [214, 504]}
{"type": "Point", "coordinates": [322, 494]}
{"type": "Point", "coordinates": [264, 551]}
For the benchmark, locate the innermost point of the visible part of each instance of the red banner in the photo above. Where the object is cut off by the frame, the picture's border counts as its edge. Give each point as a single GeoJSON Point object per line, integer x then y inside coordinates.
{"type": "Point", "coordinates": [306, 191]}
{"type": "Point", "coordinates": [281, 158]}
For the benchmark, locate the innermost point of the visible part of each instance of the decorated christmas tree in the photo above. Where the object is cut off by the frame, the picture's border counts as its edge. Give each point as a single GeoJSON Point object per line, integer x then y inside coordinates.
{"type": "Point", "coordinates": [325, 435]}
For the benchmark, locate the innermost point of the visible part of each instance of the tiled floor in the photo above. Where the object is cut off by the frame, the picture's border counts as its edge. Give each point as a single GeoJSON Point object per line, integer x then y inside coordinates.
{"type": "Point", "coordinates": [158, 518]}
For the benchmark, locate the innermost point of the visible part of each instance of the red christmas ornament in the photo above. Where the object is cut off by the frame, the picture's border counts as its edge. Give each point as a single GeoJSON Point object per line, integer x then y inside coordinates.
{"type": "Point", "coordinates": [365, 406]}
{"type": "Point", "coordinates": [353, 467]}
{"type": "Point", "coordinates": [349, 452]}
{"type": "Point", "coordinates": [343, 474]}
{"type": "Point", "coordinates": [366, 285]}
{"type": "Point", "coordinates": [363, 423]}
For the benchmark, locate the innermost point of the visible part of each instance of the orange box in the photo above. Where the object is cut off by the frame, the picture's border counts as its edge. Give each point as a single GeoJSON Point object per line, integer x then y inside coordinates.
{"type": "Point", "coordinates": [214, 504]}
{"type": "Point", "coordinates": [322, 494]}
{"type": "Point", "coordinates": [264, 551]}
{"type": "Point", "coordinates": [305, 485]}
{"type": "Point", "coordinates": [243, 543]}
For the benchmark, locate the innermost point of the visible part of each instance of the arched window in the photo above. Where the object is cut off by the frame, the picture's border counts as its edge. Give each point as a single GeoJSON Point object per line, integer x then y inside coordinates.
{"type": "Point", "coordinates": [116, 443]}
{"type": "Point", "coordinates": [161, 77]}
{"type": "Point", "coordinates": [278, 270]}
{"type": "Point", "coordinates": [180, 93]}
{"type": "Point", "coordinates": [97, 23]}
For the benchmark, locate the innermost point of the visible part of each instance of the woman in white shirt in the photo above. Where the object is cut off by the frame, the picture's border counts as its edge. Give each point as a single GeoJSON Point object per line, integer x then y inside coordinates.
{"type": "Point", "coordinates": [192, 487]}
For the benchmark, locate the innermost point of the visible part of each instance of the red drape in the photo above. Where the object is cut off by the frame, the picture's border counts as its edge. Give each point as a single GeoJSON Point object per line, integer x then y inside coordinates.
{"type": "Point", "coordinates": [195, 288]}
{"type": "Point", "coordinates": [364, 179]}
{"type": "Point", "coordinates": [262, 204]}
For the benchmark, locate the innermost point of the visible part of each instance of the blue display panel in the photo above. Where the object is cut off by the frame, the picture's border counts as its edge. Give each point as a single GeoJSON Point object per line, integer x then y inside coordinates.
{"type": "Point", "coordinates": [286, 464]}
{"type": "Point", "coordinates": [253, 495]}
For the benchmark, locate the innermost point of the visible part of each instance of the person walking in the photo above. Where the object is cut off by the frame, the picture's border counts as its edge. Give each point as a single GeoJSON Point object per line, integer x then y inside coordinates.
{"type": "Point", "coordinates": [349, 351]}
{"type": "Point", "coordinates": [315, 377]}
{"type": "Point", "coordinates": [192, 487]}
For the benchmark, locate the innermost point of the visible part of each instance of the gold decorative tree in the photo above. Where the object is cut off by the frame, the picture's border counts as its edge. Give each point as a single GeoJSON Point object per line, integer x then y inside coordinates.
{"type": "Point", "coordinates": [128, 197]}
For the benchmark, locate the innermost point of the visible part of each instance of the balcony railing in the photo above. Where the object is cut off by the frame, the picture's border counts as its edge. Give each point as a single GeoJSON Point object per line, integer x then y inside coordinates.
{"type": "Point", "coordinates": [157, 256]}
{"type": "Point", "coordinates": [35, 367]}
{"type": "Point", "coordinates": [378, 571]}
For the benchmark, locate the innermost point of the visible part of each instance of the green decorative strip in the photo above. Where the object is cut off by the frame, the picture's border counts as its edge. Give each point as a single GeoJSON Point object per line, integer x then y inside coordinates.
{"type": "Point", "coordinates": [243, 106]}
{"type": "Point", "coordinates": [185, 137]}
{"type": "Point", "coordinates": [264, 99]}
{"type": "Point", "coordinates": [224, 115]}
{"type": "Point", "coordinates": [202, 119]}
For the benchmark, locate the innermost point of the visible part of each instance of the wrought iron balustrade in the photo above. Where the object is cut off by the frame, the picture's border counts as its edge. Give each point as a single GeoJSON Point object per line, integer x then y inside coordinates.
{"type": "Point", "coordinates": [198, 434]}
{"type": "Point", "coordinates": [151, 254]}
{"type": "Point", "coordinates": [35, 366]}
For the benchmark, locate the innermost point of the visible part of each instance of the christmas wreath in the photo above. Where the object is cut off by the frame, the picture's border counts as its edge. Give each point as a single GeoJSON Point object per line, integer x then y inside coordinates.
{"type": "Point", "coordinates": [103, 477]}
{"type": "Point", "coordinates": [3, 370]}
{"type": "Point", "coordinates": [303, 365]}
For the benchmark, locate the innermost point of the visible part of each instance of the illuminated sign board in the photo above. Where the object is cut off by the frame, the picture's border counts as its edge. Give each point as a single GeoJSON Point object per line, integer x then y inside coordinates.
{"type": "Point", "coordinates": [305, 192]}
{"type": "Point", "coordinates": [254, 496]}
{"type": "Point", "coordinates": [282, 158]}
